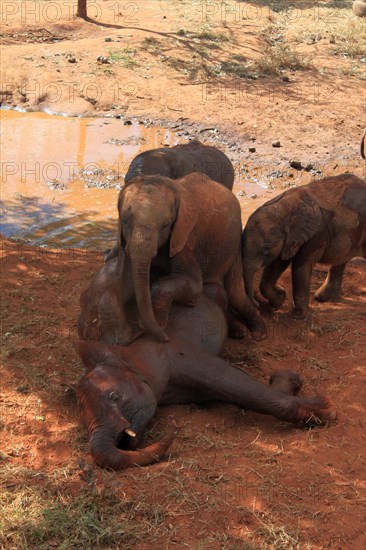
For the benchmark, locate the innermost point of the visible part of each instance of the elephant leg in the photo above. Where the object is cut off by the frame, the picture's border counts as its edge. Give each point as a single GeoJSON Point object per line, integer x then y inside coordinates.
{"type": "Point", "coordinates": [113, 326]}
{"type": "Point", "coordinates": [184, 285]}
{"type": "Point", "coordinates": [331, 288]}
{"type": "Point", "coordinates": [218, 294]}
{"type": "Point", "coordinates": [240, 302]}
{"type": "Point", "coordinates": [224, 382]}
{"type": "Point", "coordinates": [301, 275]}
{"type": "Point", "coordinates": [276, 294]}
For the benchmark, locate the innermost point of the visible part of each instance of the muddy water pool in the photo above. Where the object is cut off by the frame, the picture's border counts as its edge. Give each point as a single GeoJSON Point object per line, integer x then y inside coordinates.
{"type": "Point", "coordinates": [60, 176]}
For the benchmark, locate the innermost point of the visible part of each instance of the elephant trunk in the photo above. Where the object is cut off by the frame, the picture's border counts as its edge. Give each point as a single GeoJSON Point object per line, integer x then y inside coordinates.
{"type": "Point", "coordinates": [141, 251]}
{"type": "Point", "coordinates": [106, 453]}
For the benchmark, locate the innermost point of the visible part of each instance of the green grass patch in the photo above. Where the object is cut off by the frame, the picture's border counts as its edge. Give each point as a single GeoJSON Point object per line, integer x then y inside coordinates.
{"type": "Point", "coordinates": [125, 57]}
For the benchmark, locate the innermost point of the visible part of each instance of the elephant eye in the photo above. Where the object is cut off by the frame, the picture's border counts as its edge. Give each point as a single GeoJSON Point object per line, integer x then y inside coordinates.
{"type": "Point", "coordinates": [113, 396]}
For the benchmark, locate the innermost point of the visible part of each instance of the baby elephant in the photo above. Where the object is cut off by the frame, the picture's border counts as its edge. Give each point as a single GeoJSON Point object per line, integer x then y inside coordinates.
{"type": "Point", "coordinates": [178, 161]}
{"type": "Point", "coordinates": [324, 221]}
{"type": "Point", "coordinates": [123, 386]}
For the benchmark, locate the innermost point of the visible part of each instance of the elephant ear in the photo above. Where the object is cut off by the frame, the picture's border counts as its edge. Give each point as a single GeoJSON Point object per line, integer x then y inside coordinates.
{"type": "Point", "coordinates": [91, 353]}
{"type": "Point", "coordinates": [185, 221]}
{"type": "Point", "coordinates": [354, 196]}
{"type": "Point", "coordinates": [303, 223]}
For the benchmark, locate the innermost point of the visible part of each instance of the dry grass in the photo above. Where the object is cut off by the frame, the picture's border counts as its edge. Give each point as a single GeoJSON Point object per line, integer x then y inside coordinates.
{"type": "Point", "coordinates": [42, 514]}
{"type": "Point", "coordinates": [278, 54]}
{"type": "Point", "coordinates": [344, 37]}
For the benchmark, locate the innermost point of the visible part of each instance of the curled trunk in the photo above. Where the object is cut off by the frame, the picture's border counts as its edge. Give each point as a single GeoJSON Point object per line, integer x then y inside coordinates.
{"type": "Point", "coordinates": [107, 455]}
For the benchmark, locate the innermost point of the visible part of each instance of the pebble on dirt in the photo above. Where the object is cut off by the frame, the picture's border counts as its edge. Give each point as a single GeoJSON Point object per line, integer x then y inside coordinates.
{"type": "Point", "coordinates": [296, 164]}
{"type": "Point", "coordinates": [103, 59]}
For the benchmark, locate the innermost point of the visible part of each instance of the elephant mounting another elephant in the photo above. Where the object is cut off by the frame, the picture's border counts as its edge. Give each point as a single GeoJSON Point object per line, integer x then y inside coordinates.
{"type": "Point", "coordinates": [324, 221]}
{"type": "Point", "coordinates": [123, 386]}
{"type": "Point", "coordinates": [187, 230]}
{"type": "Point", "coordinates": [179, 161]}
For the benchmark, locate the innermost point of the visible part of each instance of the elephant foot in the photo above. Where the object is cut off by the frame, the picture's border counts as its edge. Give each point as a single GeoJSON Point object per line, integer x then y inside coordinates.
{"type": "Point", "coordinates": [235, 329]}
{"type": "Point", "coordinates": [286, 381]}
{"type": "Point", "coordinates": [314, 411]}
{"type": "Point", "coordinates": [327, 294]}
{"type": "Point", "coordinates": [258, 329]}
{"type": "Point", "coordinates": [158, 333]}
{"type": "Point", "coordinates": [279, 298]}
{"type": "Point", "coordinates": [275, 295]}
{"type": "Point", "coordinates": [162, 317]}
{"type": "Point", "coordinates": [299, 313]}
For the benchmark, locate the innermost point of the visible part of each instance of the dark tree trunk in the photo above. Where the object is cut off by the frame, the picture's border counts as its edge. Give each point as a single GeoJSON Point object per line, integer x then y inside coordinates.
{"type": "Point", "coordinates": [82, 9]}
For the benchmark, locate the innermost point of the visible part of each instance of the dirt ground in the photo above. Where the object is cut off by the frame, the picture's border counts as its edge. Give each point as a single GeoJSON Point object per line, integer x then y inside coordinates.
{"type": "Point", "coordinates": [255, 73]}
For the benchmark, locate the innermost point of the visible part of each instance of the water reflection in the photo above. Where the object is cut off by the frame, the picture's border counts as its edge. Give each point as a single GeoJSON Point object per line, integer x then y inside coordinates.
{"type": "Point", "coordinates": [61, 176]}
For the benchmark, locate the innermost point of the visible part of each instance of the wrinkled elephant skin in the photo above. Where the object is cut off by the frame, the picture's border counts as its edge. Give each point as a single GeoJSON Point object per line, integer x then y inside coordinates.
{"type": "Point", "coordinates": [324, 221]}
{"type": "Point", "coordinates": [181, 160]}
{"type": "Point", "coordinates": [120, 392]}
{"type": "Point", "coordinates": [189, 230]}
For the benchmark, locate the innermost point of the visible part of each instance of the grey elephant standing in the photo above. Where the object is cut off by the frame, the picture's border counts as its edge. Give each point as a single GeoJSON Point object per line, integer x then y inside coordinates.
{"type": "Point", "coordinates": [181, 160]}
{"type": "Point", "coordinates": [324, 221]}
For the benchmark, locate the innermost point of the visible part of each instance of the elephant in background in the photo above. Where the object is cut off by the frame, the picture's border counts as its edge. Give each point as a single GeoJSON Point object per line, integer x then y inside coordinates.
{"type": "Point", "coordinates": [187, 230]}
{"type": "Point", "coordinates": [178, 161]}
{"type": "Point", "coordinates": [324, 221]}
{"type": "Point", "coordinates": [123, 386]}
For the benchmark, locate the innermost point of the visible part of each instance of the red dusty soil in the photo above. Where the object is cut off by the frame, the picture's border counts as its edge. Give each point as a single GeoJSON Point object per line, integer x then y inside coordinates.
{"type": "Point", "coordinates": [233, 480]}
{"type": "Point", "coordinates": [245, 480]}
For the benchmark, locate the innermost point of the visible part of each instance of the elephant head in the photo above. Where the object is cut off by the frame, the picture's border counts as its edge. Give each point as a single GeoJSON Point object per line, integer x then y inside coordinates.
{"type": "Point", "coordinates": [154, 212]}
{"type": "Point", "coordinates": [116, 405]}
{"type": "Point", "coordinates": [277, 230]}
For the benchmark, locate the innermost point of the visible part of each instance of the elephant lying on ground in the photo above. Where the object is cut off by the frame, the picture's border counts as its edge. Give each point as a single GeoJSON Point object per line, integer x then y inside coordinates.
{"type": "Point", "coordinates": [324, 221]}
{"type": "Point", "coordinates": [189, 230]}
{"type": "Point", "coordinates": [178, 161]}
{"type": "Point", "coordinates": [120, 392]}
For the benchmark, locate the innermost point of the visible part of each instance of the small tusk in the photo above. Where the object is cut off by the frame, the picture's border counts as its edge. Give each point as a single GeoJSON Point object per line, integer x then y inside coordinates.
{"type": "Point", "coordinates": [130, 432]}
